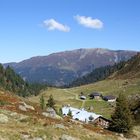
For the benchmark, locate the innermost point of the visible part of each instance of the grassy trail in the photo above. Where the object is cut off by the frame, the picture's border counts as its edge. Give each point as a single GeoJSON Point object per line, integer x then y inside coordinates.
{"type": "Point", "coordinates": [76, 98]}
{"type": "Point", "coordinates": [83, 104]}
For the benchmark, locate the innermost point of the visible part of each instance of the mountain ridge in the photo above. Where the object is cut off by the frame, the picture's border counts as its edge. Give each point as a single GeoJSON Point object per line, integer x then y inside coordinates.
{"type": "Point", "coordinates": [63, 67]}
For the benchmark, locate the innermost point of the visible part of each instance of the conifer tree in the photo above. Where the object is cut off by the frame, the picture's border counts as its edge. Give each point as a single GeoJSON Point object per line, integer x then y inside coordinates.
{"type": "Point", "coordinates": [60, 112]}
{"type": "Point", "coordinates": [121, 118]}
{"type": "Point", "coordinates": [69, 113]}
{"type": "Point", "coordinates": [51, 102]}
{"type": "Point", "coordinates": [42, 102]}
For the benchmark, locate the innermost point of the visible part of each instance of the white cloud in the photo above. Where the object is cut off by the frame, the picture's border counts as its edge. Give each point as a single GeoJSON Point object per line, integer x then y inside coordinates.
{"type": "Point", "coordinates": [52, 24]}
{"type": "Point", "coordinates": [89, 22]}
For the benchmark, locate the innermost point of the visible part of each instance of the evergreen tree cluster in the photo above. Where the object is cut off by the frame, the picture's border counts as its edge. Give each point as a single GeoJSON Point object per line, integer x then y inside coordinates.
{"type": "Point", "coordinates": [122, 116]}
{"type": "Point", "coordinates": [11, 81]}
{"type": "Point", "coordinates": [50, 103]}
{"type": "Point", "coordinates": [134, 103]}
{"type": "Point", "coordinates": [97, 74]}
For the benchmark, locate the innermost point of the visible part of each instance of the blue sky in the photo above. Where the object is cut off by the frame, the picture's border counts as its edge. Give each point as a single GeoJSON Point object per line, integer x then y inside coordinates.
{"type": "Point", "coordinates": [40, 27]}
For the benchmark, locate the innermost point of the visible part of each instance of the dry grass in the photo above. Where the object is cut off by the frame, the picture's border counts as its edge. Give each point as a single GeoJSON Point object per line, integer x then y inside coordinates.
{"type": "Point", "coordinates": [35, 125]}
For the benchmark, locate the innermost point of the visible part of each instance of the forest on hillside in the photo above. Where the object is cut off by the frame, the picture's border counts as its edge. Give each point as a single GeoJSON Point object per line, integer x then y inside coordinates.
{"type": "Point", "coordinates": [97, 74]}
{"type": "Point", "coordinates": [13, 82]}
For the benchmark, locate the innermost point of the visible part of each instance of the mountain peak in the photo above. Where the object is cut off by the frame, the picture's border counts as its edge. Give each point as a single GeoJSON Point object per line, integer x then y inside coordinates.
{"type": "Point", "coordinates": [63, 67]}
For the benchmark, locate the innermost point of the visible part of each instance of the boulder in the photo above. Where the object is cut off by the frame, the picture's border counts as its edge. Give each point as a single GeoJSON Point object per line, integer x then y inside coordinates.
{"type": "Point", "coordinates": [51, 112]}
{"type": "Point", "coordinates": [22, 108]}
{"type": "Point", "coordinates": [60, 126]}
{"type": "Point", "coordinates": [3, 118]}
{"type": "Point", "coordinates": [25, 106]}
{"type": "Point", "coordinates": [28, 106]}
{"type": "Point", "coordinates": [25, 137]}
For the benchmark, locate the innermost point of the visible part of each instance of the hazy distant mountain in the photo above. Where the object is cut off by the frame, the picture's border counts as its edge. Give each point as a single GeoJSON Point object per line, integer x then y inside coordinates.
{"type": "Point", "coordinates": [63, 67]}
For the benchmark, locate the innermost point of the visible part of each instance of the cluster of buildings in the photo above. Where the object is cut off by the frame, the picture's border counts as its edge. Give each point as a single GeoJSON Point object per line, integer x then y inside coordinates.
{"type": "Point", "coordinates": [96, 95]}
{"type": "Point", "coordinates": [89, 117]}
{"type": "Point", "coordinates": [85, 116]}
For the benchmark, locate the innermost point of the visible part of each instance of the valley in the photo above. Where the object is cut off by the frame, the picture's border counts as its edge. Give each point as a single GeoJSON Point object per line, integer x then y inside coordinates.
{"type": "Point", "coordinates": [105, 87]}
{"type": "Point", "coordinates": [69, 70]}
{"type": "Point", "coordinates": [22, 115]}
{"type": "Point", "coordinates": [31, 124]}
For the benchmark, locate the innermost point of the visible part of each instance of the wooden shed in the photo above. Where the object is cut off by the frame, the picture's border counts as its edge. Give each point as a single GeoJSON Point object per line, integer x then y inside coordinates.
{"type": "Point", "coordinates": [103, 122]}
{"type": "Point", "coordinates": [95, 95]}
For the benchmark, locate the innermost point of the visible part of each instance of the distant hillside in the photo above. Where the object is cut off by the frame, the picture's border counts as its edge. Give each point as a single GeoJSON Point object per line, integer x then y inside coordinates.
{"type": "Point", "coordinates": [131, 69]}
{"type": "Point", "coordinates": [13, 82]}
{"type": "Point", "coordinates": [63, 67]}
{"type": "Point", "coordinates": [126, 70]}
{"type": "Point", "coordinates": [97, 75]}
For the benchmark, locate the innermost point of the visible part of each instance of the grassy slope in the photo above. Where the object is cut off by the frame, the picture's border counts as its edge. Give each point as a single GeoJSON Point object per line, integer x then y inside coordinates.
{"type": "Point", "coordinates": [33, 125]}
{"type": "Point", "coordinates": [38, 127]}
{"type": "Point", "coordinates": [106, 87]}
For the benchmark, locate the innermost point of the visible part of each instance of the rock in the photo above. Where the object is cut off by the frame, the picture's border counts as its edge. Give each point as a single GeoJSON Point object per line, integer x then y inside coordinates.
{"type": "Point", "coordinates": [45, 114]}
{"type": "Point", "coordinates": [67, 137]}
{"type": "Point", "coordinates": [3, 118]}
{"type": "Point", "coordinates": [44, 137]}
{"type": "Point", "coordinates": [13, 114]}
{"type": "Point", "coordinates": [51, 112]}
{"type": "Point", "coordinates": [23, 104]}
{"type": "Point", "coordinates": [18, 117]}
{"type": "Point", "coordinates": [28, 106]}
{"type": "Point", "coordinates": [22, 108]}
{"type": "Point", "coordinates": [25, 137]}
{"type": "Point", "coordinates": [61, 126]}
{"type": "Point", "coordinates": [122, 135]}
{"type": "Point", "coordinates": [23, 118]}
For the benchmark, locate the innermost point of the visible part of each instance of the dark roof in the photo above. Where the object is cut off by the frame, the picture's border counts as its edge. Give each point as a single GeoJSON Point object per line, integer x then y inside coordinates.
{"type": "Point", "coordinates": [109, 97]}
{"type": "Point", "coordinates": [95, 94]}
{"type": "Point", "coordinates": [105, 118]}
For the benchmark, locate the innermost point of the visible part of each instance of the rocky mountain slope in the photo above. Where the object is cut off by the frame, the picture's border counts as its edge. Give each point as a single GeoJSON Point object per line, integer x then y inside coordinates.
{"type": "Point", "coordinates": [63, 67]}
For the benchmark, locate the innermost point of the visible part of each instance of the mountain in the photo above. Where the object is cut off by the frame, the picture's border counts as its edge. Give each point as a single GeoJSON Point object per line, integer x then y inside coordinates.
{"type": "Point", "coordinates": [63, 67]}
{"type": "Point", "coordinates": [125, 70]}
{"type": "Point", "coordinates": [130, 70]}
{"type": "Point", "coordinates": [97, 74]}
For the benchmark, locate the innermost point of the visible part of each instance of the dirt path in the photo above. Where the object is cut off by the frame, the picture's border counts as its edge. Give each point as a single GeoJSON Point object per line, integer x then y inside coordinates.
{"type": "Point", "coordinates": [76, 97]}
{"type": "Point", "coordinates": [83, 104]}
